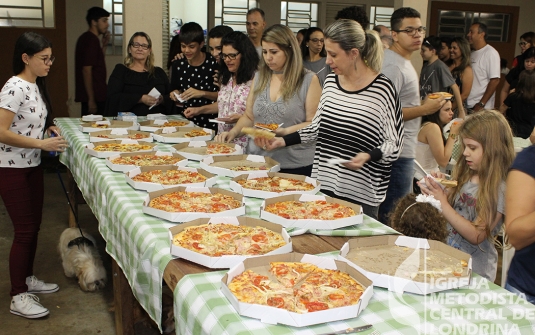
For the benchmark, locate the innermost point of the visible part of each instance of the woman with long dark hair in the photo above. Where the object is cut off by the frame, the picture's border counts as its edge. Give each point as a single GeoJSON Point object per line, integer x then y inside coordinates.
{"type": "Point", "coordinates": [519, 106]}
{"type": "Point", "coordinates": [314, 55]}
{"type": "Point", "coordinates": [460, 68]}
{"type": "Point", "coordinates": [24, 117]}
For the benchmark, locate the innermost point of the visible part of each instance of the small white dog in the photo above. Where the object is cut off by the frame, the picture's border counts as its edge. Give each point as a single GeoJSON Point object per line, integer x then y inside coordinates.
{"type": "Point", "coordinates": [81, 260]}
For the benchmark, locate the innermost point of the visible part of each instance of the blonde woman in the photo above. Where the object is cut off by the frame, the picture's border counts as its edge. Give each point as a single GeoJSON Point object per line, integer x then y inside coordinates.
{"type": "Point", "coordinates": [282, 92]}
{"type": "Point", "coordinates": [130, 83]}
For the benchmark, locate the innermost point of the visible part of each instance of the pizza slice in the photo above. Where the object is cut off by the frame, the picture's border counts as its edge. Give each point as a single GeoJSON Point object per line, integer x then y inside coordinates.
{"type": "Point", "coordinates": [291, 273]}
{"type": "Point", "coordinates": [260, 133]}
{"type": "Point", "coordinates": [437, 95]}
{"type": "Point", "coordinates": [267, 126]}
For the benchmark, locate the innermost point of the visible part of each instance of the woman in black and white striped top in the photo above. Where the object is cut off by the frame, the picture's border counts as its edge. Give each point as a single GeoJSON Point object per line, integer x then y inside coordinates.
{"type": "Point", "coordinates": [359, 120]}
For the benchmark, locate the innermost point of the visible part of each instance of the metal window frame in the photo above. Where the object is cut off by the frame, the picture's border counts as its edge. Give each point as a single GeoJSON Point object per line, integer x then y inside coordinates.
{"type": "Point", "coordinates": [471, 17]}
{"type": "Point", "coordinates": [291, 13]}
{"type": "Point", "coordinates": [112, 47]}
{"type": "Point", "coordinates": [43, 7]}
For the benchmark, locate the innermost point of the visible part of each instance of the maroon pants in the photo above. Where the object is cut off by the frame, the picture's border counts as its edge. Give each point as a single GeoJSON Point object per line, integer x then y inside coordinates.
{"type": "Point", "coordinates": [22, 191]}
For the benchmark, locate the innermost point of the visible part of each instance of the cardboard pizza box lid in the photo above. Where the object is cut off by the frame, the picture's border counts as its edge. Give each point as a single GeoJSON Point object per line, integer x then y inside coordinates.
{"type": "Point", "coordinates": [89, 148]}
{"type": "Point", "coordinates": [177, 134]}
{"type": "Point", "coordinates": [226, 261]}
{"type": "Point", "coordinates": [248, 192]}
{"type": "Point", "coordinates": [149, 187]}
{"type": "Point", "coordinates": [188, 216]}
{"type": "Point", "coordinates": [273, 315]}
{"type": "Point", "coordinates": [119, 134]}
{"type": "Point", "coordinates": [311, 223]}
{"type": "Point", "coordinates": [228, 161]}
{"type": "Point", "coordinates": [154, 125]}
{"type": "Point", "coordinates": [124, 168]}
{"type": "Point", "coordinates": [87, 127]}
{"type": "Point", "coordinates": [196, 150]}
{"type": "Point", "coordinates": [397, 283]}
{"type": "Point", "coordinates": [92, 118]}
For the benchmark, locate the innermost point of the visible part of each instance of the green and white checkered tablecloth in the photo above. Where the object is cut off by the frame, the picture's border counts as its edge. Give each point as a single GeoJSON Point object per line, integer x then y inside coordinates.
{"type": "Point", "coordinates": [139, 243]}
{"type": "Point", "coordinates": [481, 308]}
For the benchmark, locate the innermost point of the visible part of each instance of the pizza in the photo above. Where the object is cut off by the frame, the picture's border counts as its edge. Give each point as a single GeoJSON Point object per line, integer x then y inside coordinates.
{"type": "Point", "coordinates": [219, 148]}
{"type": "Point", "coordinates": [170, 177]}
{"type": "Point", "coordinates": [146, 160]}
{"type": "Point", "coordinates": [119, 147]}
{"type": "Point", "coordinates": [227, 239]}
{"type": "Point", "coordinates": [276, 184]}
{"type": "Point", "coordinates": [138, 136]}
{"type": "Point", "coordinates": [446, 182]}
{"type": "Point", "coordinates": [197, 202]}
{"type": "Point", "coordinates": [99, 125]}
{"type": "Point", "coordinates": [315, 210]}
{"type": "Point", "coordinates": [260, 133]}
{"type": "Point", "coordinates": [248, 168]}
{"type": "Point", "coordinates": [103, 136]}
{"type": "Point", "coordinates": [196, 133]}
{"type": "Point", "coordinates": [172, 124]}
{"type": "Point", "coordinates": [437, 95]}
{"type": "Point", "coordinates": [269, 126]}
{"type": "Point", "coordinates": [297, 287]}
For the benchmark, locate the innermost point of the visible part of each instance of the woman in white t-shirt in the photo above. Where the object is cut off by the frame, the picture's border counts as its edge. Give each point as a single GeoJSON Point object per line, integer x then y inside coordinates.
{"type": "Point", "coordinates": [24, 117]}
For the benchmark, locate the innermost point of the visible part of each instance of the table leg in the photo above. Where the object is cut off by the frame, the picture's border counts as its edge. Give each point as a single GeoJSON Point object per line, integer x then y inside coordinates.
{"type": "Point", "coordinates": [75, 198]}
{"type": "Point", "coordinates": [123, 301]}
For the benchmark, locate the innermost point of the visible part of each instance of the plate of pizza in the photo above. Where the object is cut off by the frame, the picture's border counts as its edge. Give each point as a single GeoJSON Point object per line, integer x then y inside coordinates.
{"type": "Point", "coordinates": [436, 95]}
{"type": "Point", "coordinates": [128, 161]}
{"type": "Point", "coordinates": [154, 125]}
{"type": "Point", "coordinates": [182, 204]}
{"type": "Point", "coordinates": [89, 127]}
{"type": "Point", "coordinates": [199, 150]}
{"type": "Point", "coordinates": [110, 148]}
{"type": "Point", "coordinates": [273, 184]}
{"type": "Point", "coordinates": [183, 134]}
{"type": "Point", "coordinates": [253, 132]}
{"type": "Point", "coordinates": [120, 134]}
{"type": "Point", "coordinates": [408, 264]}
{"type": "Point", "coordinates": [223, 242]}
{"type": "Point", "coordinates": [296, 289]}
{"type": "Point", "coordinates": [153, 178]}
{"type": "Point", "coordinates": [235, 165]}
{"type": "Point", "coordinates": [310, 211]}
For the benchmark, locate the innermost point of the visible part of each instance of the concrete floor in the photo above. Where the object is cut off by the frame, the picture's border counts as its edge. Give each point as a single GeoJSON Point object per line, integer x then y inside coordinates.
{"type": "Point", "coordinates": [72, 311]}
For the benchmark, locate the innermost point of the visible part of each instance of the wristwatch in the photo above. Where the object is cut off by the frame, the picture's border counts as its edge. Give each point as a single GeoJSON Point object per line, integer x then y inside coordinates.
{"type": "Point", "coordinates": [480, 104]}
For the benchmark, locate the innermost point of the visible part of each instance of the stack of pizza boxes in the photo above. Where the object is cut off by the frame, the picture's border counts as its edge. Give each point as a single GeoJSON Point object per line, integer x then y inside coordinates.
{"type": "Point", "coordinates": [263, 194]}
{"type": "Point", "coordinates": [403, 264]}
{"type": "Point", "coordinates": [150, 187]}
{"type": "Point", "coordinates": [196, 150]}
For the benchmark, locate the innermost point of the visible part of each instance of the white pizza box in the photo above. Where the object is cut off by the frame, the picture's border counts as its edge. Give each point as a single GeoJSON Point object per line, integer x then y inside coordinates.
{"type": "Point", "coordinates": [177, 134]}
{"type": "Point", "coordinates": [311, 223]}
{"type": "Point", "coordinates": [273, 315]}
{"type": "Point", "coordinates": [228, 161]}
{"type": "Point", "coordinates": [119, 134]}
{"type": "Point", "coordinates": [236, 187]}
{"type": "Point", "coordinates": [153, 125]}
{"type": "Point", "coordinates": [87, 127]}
{"type": "Point", "coordinates": [149, 187]}
{"type": "Point", "coordinates": [226, 261]}
{"type": "Point", "coordinates": [196, 150]}
{"type": "Point", "coordinates": [88, 149]}
{"type": "Point", "coordinates": [92, 118]}
{"type": "Point", "coordinates": [188, 216]}
{"type": "Point", "coordinates": [124, 168]}
{"type": "Point", "coordinates": [398, 284]}
{"type": "Point", "coordinates": [156, 116]}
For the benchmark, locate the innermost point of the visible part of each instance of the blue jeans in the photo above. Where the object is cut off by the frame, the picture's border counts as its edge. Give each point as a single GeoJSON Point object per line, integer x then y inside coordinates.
{"type": "Point", "coordinates": [512, 289]}
{"type": "Point", "coordinates": [399, 186]}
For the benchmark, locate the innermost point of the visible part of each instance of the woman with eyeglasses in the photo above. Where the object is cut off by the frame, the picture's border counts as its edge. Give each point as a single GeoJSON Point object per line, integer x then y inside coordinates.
{"type": "Point", "coordinates": [239, 61]}
{"type": "Point", "coordinates": [526, 42]}
{"type": "Point", "coordinates": [314, 55]}
{"type": "Point", "coordinates": [527, 62]}
{"type": "Point", "coordinates": [460, 68]}
{"type": "Point", "coordinates": [131, 82]}
{"type": "Point", "coordinates": [25, 116]}
{"type": "Point", "coordinates": [283, 92]}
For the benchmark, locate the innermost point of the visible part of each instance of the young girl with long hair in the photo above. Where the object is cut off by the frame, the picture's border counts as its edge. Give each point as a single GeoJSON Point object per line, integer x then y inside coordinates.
{"type": "Point", "coordinates": [475, 207]}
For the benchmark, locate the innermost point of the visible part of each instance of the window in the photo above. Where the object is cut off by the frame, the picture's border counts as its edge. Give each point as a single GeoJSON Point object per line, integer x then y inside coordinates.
{"type": "Point", "coordinates": [454, 23]}
{"type": "Point", "coordinates": [233, 13]}
{"type": "Point", "coordinates": [380, 16]}
{"type": "Point", "coordinates": [299, 15]}
{"type": "Point", "coordinates": [115, 7]}
{"type": "Point", "coordinates": [27, 13]}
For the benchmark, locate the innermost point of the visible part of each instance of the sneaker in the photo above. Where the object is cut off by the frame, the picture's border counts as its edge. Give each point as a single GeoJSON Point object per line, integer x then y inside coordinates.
{"type": "Point", "coordinates": [28, 306]}
{"type": "Point", "coordinates": [38, 286]}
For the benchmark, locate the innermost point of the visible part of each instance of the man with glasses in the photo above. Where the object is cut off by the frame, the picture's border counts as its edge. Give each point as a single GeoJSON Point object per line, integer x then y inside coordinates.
{"type": "Point", "coordinates": [486, 67]}
{"type": "Point", "coordinates": [89, 63]}
{"type": "Point", "coordinates": [407, 36]}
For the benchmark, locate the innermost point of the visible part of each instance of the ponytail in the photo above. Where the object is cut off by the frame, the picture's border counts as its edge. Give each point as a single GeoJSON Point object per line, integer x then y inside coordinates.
{"type": "Point", "coordinates": [372, 52]}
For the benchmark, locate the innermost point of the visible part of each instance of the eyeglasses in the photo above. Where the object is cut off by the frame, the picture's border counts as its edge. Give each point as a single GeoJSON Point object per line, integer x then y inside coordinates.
{"type": "Point", "coordinates": [229, 56]}
{"type": "Point", "coordinates": [523, 44]}
{"type": "Point", "coordinates": [412, 31]}
{"type": "Point", "coordinates": [142, 46]}
{"type": "Point", "coordinates": [47, 60]}
{"type": "Point", "coordinates": [316, 40]}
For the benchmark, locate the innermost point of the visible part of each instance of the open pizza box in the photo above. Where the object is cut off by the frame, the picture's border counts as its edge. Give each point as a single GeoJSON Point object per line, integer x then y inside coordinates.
{"type": "Point", "coordinates": [92, 118]}
{"type": "Point", "coordinates": [196, 150]}
{"type": "Point", "coordinates": [89, 148]}
{"type": "Point", "coordinates": [412, 254]}
{"type": "Point", "coordinates": [154, 125]}
{"type": "Point", "coordinates": [156, 116]}
{"type": "Point", "coordinates": [311, 223]}
{"type": "Point", "coordinates": [120, 134]}
{"type": "Point", "coordinates": [248, 192]}
{"type": "Point", "coordinates": [89, 127]}
{"type": "Point", "coordinates": [178, 134]}
{"type": "Point", "coordinates": [221, 165]}
{"type": "Point", "coordinates": [226, 261]}
{"type": "Point", "coordinates": [188, 216]}
{"type": "Point", "coordinates": [273, 315]}
{"type": "Point", "coordinates": [124, 168]}
{"type": "Point", "coordinates": [150, 187]}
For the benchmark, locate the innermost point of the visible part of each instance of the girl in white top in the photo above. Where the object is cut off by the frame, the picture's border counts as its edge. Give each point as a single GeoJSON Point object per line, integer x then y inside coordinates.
{"type": "Point", "coordinates": [432, 148]}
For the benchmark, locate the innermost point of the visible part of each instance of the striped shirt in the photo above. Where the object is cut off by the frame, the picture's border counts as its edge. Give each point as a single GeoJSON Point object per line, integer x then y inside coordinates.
{"type": "Point", "coordinates": [346, 123]}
